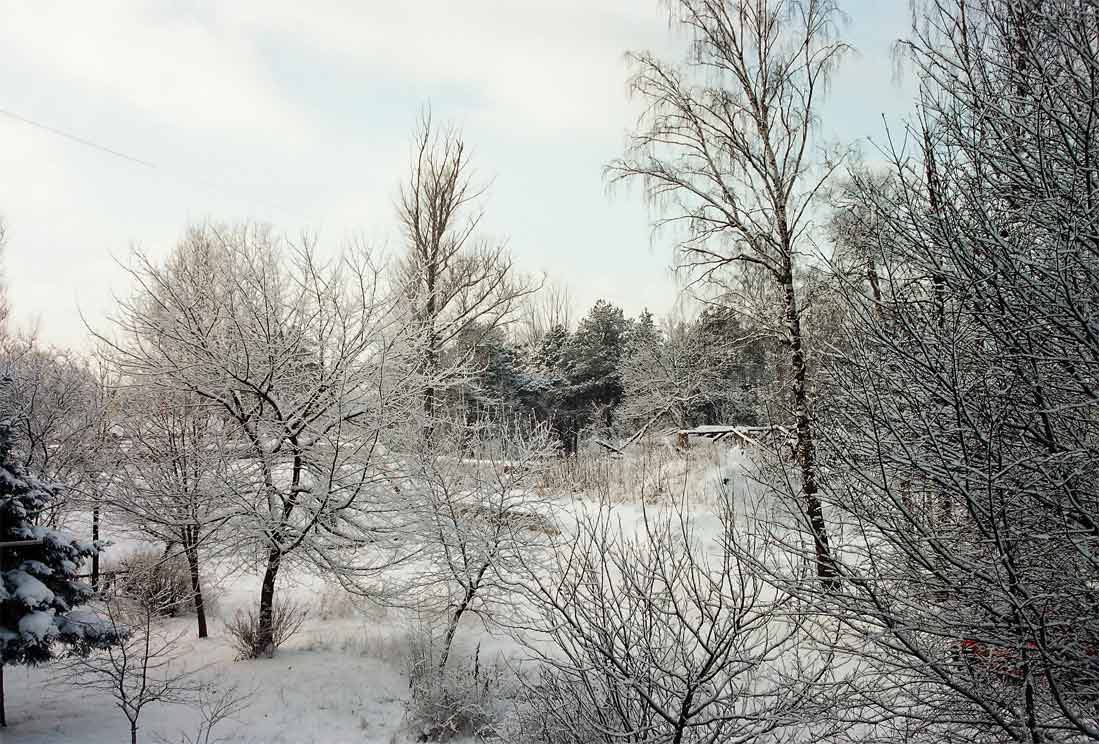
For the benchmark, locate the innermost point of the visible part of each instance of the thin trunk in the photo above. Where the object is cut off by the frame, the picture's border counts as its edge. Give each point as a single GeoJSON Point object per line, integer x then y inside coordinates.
{"type": "Point", "coordinates": [806, 447]}
{"type": "Point", "coordinates": [452, 627]}
{"type": "Point", "coordinates": [448, 638]}
{"type": "Point", "coordinates": [95, 555]}
{"type": "Point", "coordinates": [133, 732]}
{"type": "Point", "coordinates": [3, 716]}
{"type": "Point", "coordinates": [191, 550]}
{"type": "Point", "coordinates": [431, 361]}
{"type": "Point", "coordinates": [875, 283]}
{"type": "Point", "coordinates": [265, 632]}
{"type": "Point", "coordinates": [429, 409]}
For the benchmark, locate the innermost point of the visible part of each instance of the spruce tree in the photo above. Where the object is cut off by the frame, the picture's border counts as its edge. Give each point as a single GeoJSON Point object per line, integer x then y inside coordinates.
{"type": "Point", "coordinates": [39, 585]}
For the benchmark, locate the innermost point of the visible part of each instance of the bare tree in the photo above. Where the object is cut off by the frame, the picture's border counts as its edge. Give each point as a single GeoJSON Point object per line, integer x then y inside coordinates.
{"type": "Point", "coordinates": [457, 280]}
{"type": "Point", "coordinates": [142, 670]}
{"type": "Point", "coordinates": [177, 480]}
{"type": "Point", "coordinates": [479, 518]}
{"type": "Point", "coordinates": [55, 388]}
{"type": "Point", "coordinates": [725, 146]}
{"type": "Point", "coordinates": [60, 412]}
{"type": "Point", "coordinates": [660, 636]}
{"type": "Point", "coordinates": [541, 311]}
{"type": "Point", "coordinates": [966, 441]}
{"type": "Point", "coordinates": [671, 377]}
{"type": "Point", "coordinates": [305, 361]}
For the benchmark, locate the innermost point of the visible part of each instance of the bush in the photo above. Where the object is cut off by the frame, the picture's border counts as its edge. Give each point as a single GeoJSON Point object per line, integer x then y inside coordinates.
{"type": "Point", "coordinates": [147, 576]}
{"type": "Point", "coordinates": [243, 629]}
{"type": "Point", "coordinates": [458, 701]}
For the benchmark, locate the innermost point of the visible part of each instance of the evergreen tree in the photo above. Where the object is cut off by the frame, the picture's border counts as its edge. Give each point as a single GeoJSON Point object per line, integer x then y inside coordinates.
{"type": "Point", "coordinates": [643, 333]}
{"type": "Point", "coordinates": [735, 359]}
{"type": "Point", "coordinates": [594, 358]}
{"type": "Point", "coordinates": [39, 588]}
{"type": "Point", "coordinates": [545, 388]}
{"type": "Point", "coordinates": [491, 392]}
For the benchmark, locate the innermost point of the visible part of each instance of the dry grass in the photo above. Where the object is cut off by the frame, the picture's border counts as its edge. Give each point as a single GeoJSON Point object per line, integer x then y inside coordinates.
{"type": "Point", "coordinates": [461, 701]}
{"type": "Point", "coordinates": [648, 470]}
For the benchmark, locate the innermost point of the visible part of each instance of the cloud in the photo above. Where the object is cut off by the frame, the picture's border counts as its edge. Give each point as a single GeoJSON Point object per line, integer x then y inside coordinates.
{"type": "Point", "coordinates": [299, 114]}
{"type": "Point", "coordinates": [547, 66]}
{"type": "Point", "coordinates": [174, 68]}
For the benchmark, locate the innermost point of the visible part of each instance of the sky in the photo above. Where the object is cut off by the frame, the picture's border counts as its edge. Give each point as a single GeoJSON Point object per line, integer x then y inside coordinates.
{"type": "Point", "coordinates": [299, 115]}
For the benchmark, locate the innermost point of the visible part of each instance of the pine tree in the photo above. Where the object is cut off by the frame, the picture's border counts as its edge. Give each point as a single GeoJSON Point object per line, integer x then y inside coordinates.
{"type": "Point", "coordinates": [594, 355]}
{"type": "Point", "coordinates": [544, 388]}
{"type": "Point", "coordinates": [39, 586]}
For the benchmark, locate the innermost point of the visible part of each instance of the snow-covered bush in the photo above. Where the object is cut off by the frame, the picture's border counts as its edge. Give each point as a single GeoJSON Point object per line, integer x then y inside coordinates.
{"type": "Point", "coordinates": [460, 700]}
{"type": "Point", "coordinates": [243, 630]}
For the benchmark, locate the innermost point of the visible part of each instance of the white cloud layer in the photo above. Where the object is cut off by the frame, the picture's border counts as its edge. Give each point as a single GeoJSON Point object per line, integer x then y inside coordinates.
{"type": "Point", "coordinates": [299, 114]}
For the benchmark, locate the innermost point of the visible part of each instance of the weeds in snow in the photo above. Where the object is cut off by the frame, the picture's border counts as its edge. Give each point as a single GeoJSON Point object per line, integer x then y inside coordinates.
{"type": "Point", "coordinates": [461, 699]}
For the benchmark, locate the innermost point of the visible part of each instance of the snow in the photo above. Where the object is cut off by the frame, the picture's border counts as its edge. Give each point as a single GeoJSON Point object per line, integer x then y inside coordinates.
{"type": "Point", "coordinates": [304, 697]}
{"type": "Point", "coordinates": [29, 590]}
{"type": "Point", "coordinates": [38, 625]}
{"type": "Point", "coordinates": [341, 680]}
{"type": "Point", "coordinates": [84, 623]}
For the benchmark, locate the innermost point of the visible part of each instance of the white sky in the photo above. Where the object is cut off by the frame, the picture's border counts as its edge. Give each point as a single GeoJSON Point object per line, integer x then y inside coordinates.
{"type": "Point", "coordinates": [299, 114]}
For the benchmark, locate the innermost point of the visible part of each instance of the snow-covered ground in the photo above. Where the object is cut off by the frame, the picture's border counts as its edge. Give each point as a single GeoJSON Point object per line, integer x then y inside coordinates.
{"type": "Point", "coordinates": [342, 679]}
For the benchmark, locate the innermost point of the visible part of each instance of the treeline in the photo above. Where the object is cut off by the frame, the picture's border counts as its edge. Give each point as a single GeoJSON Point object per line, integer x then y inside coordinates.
{"type": "Point", "coordinates": [613, 374]}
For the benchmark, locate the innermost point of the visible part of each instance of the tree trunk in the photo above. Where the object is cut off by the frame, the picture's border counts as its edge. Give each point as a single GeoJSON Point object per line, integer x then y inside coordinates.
{"type": "Point", "coordinates": [133, 732]}
{"type": "Point", "coordinates": [3, 717]}
{"type": "Point", "coordinates": [806, 447]}
{"type": "Point", "coordinates": [95, 555]}
{"type": "Point", "coordinates": [265, 631]}
{"type": "Point", "coordinates": [431, 359]}
{"type": "Point", "coordinates": [452, 628]}
{"type": "Point", "coordinates": [429, 411]}
{"type": "Point", "coordinates": [191, 550]}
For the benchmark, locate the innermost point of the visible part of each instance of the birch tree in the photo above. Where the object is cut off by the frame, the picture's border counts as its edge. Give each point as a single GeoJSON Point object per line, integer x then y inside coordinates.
{"type": "Point", "coordinates": [725, 147]}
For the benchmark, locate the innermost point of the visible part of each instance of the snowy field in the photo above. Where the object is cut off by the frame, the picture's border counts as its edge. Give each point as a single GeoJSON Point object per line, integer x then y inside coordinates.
{"type": "Point", "coordinates": [344, 676]}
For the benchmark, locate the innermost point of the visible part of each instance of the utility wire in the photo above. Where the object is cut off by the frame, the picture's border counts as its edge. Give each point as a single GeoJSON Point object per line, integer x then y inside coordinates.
{"type": "Point", "coordinates": [74, 138]}
{"type": "Point", "coordinates": [130, 158]}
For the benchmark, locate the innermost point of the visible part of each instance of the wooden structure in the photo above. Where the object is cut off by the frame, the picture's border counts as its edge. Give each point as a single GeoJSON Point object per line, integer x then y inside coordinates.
{"type": "Point", "coordinates": [763, 437]}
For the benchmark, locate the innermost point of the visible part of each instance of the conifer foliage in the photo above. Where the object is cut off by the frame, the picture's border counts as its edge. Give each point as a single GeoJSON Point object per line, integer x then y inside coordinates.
{"type": "Point", "coordinates": [39, 586]}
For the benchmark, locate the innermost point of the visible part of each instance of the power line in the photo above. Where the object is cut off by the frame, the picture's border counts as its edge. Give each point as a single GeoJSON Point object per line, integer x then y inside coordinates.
{"type": "Point", "coordinates": [130, 158]}
{"type": "Point", "coordinates": [75, 138]}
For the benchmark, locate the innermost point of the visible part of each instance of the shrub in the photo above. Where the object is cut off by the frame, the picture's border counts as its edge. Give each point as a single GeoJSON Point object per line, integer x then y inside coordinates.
{"type": "Point", "coordinates": [161, 583]}
{"type": "Point", "coordinates": [458, 701]}
{"type": "Point", "coordinates": [242, 630]}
